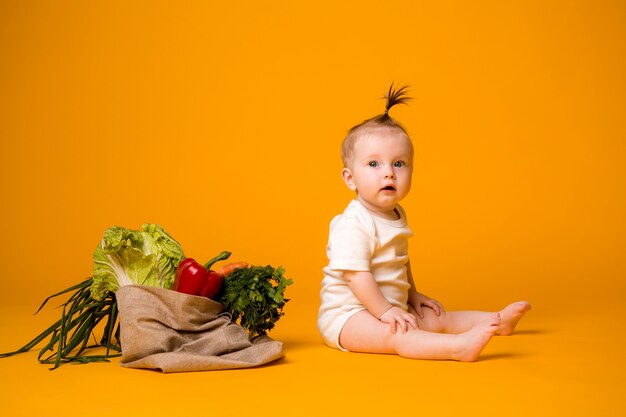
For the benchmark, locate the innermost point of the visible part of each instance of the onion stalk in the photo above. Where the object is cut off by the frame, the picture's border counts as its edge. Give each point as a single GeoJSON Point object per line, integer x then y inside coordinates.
{"type": "Point", "coordinates": [69, 337]}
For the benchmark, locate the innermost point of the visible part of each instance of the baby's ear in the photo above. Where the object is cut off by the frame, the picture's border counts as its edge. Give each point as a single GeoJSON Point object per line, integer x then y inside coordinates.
{"type": "Point", "coordinates": [346, 174]}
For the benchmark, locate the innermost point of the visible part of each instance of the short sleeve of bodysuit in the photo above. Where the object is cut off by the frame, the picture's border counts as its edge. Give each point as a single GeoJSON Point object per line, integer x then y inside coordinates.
{"type": "Point", "coordinates": [351, 243]}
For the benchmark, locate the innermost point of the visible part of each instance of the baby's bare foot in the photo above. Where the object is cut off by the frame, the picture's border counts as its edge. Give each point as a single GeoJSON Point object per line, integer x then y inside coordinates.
{"type": "Point", "coordinates": [474, 340]}
{"type": "Point", "coordinates": [510, 315]}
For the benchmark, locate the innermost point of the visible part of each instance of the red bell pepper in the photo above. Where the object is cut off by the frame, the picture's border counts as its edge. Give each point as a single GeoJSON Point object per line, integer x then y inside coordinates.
{"type": "Point", "coordinates": [195, 279]}
{"type": "Point", "coordinates": [190, 277]}
{"type": "Point", "coordinates": [182, 265]}
{"type": "Point", "coordinates": [212, 285]}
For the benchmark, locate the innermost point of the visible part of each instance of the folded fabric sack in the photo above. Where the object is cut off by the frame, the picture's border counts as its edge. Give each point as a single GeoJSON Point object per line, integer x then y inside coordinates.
{"type": "Point", "coordinates": [175, 332]}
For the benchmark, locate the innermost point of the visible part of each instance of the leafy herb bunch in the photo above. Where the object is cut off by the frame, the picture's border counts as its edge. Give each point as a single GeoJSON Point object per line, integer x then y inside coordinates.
{"type": "Point", "coordinates": [255, 297]}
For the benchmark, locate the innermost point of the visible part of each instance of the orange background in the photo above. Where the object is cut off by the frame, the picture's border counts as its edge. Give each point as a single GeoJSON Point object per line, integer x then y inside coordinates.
{"type": "Point", "coordinates": [222, 122]}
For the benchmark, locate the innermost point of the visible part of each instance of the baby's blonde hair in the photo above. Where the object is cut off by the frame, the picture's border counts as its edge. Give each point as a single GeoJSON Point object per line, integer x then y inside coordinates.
{"type": "Point", "coordinates": [393, 97]}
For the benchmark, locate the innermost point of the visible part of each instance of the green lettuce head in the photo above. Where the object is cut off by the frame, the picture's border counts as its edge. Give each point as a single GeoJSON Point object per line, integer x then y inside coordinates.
{"type": "Point", "coordinates": [132, 257]}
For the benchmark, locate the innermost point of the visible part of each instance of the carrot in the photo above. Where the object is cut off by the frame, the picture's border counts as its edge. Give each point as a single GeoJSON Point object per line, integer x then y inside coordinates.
{"type": "Point", "coordinates": [229, 268]}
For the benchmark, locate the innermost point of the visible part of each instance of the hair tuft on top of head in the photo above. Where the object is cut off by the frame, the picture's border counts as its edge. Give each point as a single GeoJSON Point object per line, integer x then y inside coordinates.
{"type": "Point", "coordinates": [395, 97]}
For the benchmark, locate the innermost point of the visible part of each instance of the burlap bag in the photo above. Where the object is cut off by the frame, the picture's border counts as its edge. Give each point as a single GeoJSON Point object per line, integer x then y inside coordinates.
{"type": "Point", "coordinates": [175, 332]}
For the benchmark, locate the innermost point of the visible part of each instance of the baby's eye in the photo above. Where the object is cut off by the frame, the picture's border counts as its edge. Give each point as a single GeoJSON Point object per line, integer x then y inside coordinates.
{"type": "Point", "coordinates": [373, 164]}
{"type": "Point", "coordinates": [399, 164]}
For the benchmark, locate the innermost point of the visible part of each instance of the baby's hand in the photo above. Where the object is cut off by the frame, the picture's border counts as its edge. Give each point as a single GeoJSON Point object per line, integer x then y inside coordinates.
{"type": "Point", "coordinates": [395, 317]}
{"type": "Point", "coordinates": [417, 300]}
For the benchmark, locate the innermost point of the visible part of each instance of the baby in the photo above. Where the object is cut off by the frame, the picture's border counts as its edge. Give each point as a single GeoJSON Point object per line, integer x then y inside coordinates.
{"type": "Point", "coordinates": [369, 302]}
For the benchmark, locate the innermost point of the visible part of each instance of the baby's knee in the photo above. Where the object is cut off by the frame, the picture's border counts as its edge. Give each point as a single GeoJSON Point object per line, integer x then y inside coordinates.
{"type": "Point", "coordinates": [432, 321]}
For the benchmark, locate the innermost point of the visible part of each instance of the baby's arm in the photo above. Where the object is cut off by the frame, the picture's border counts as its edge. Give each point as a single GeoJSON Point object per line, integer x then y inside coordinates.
{"type": "Point", "coordinates": [417, 299]}
{"type": "Point", "coordinates": [365, 288]}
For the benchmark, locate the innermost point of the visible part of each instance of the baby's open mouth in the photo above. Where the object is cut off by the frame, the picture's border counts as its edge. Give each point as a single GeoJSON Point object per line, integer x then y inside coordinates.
{"type": "Point", "coordinates": [389, 188]}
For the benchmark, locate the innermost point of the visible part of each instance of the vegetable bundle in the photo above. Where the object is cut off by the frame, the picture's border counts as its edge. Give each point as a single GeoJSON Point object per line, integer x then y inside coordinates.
{"type": "Point", "coordinates": [70, 335]}
{"type": "Point", "coordinates": [126, 257]}
{"type": "Point", "coordinates": [254, 296]}
{"type": "Point", "coordinates": [151, 257]}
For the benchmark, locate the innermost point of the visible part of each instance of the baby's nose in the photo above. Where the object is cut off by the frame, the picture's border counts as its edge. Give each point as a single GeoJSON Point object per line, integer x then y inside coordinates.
{"type": "Point", "coordinates": [389, 173]}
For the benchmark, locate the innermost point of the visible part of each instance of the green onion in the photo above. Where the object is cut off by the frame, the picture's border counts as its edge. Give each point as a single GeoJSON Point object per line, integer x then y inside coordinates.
{"type": "Point", "coordinates": [69, 336]}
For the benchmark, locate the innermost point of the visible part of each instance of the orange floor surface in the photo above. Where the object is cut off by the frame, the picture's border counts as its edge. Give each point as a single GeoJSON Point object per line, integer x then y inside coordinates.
{"type": "Point", "coordinates": [553, 366]}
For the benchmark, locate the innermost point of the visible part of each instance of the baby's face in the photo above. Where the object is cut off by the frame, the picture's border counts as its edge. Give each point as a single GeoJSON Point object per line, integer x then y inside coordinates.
{"type": "Point", "coordinates": [381, 168]}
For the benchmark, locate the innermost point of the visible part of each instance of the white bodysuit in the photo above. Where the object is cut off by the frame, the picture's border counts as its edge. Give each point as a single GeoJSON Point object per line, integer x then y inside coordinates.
{"type": "Point", "coordinates": [361, 241]}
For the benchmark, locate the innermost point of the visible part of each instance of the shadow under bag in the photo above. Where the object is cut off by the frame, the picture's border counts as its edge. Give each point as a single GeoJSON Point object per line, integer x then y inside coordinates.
{"type": "Point", "coordinates": [175, 332]}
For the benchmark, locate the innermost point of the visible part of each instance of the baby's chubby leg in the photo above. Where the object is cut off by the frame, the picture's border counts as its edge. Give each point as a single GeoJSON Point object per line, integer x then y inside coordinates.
{"type": "Point", "coordinates": [456, 322]}
{"type": "Point", "coordinates": [364, 333]}
{"type": "Point", "coordinates": [452, 322]}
